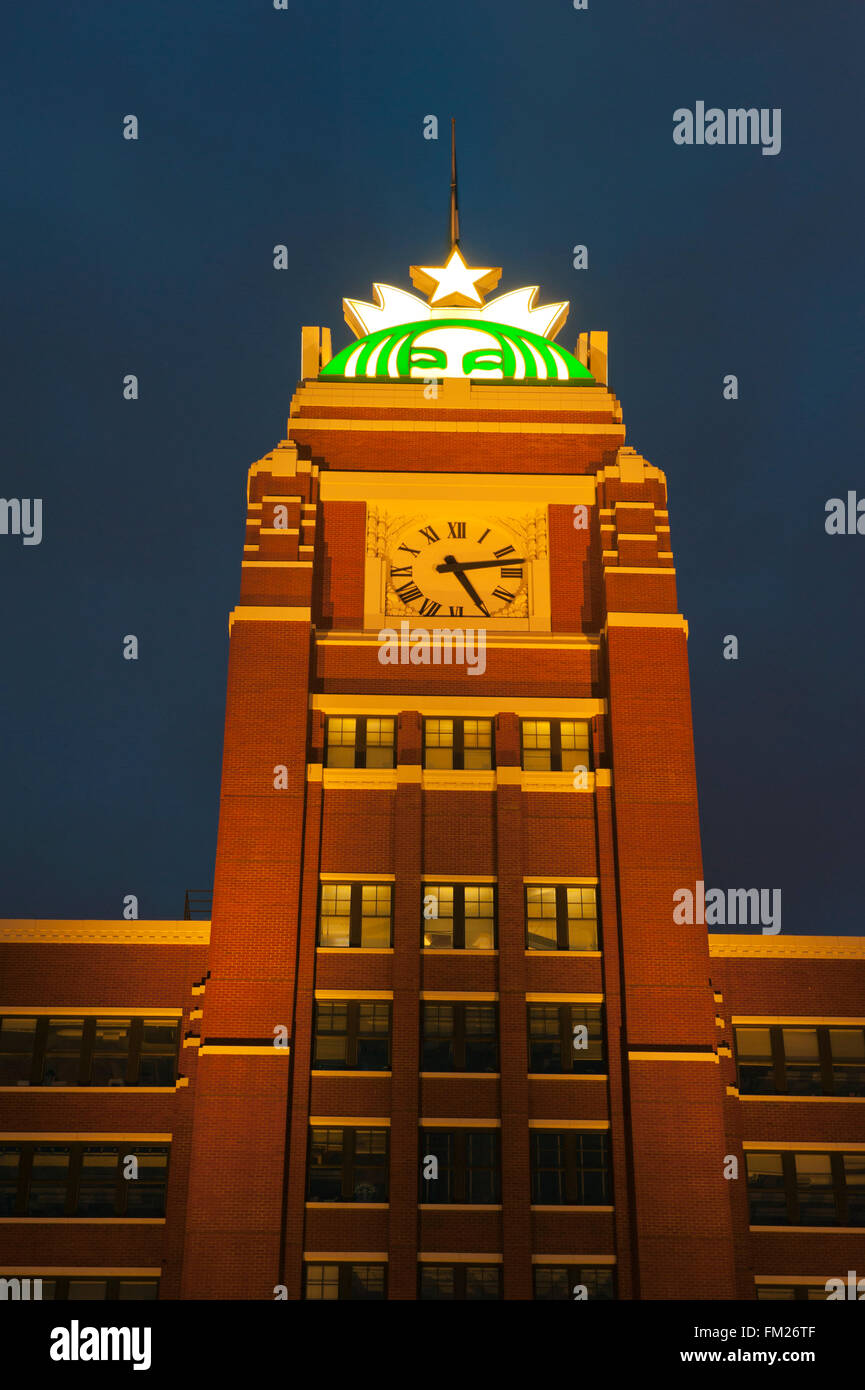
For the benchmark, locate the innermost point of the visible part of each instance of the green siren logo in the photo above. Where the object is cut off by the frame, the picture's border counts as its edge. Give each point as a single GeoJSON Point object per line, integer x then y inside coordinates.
{"type": "Point", "coordinates": [457, 347]}
{"type": "Point", "coordinates": [454, 333]}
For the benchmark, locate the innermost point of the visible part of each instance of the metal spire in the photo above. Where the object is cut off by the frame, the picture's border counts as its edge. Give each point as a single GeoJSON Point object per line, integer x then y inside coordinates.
{"type": "Point", "coordinates": [455, 216]}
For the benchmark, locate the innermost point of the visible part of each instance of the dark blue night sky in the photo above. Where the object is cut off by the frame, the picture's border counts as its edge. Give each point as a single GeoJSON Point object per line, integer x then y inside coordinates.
{"type": "Point", "coordinates": [304, 127]}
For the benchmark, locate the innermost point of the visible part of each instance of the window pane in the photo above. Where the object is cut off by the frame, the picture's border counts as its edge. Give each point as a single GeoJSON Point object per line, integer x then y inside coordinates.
{"type": "Point", "coordinates": [575, 738]}
{"type": "Point", "coordinates": [591, 1057]}
{"type": "Point", "coordinates": [367, 1281]}
{"type": "Point", "coordinates": [582, 919]}
{"type": "Point", "coordinates": [375, 915]}
{"type": "Point", "coordinates": [97, 1188]}
{"type": "Point", "coordinates": [48, 1179]}
{"type": "Point", "coordinates": [814, 1190]}
{"type": "Point", "coordinates": [322, 1282]}
{"type": "Point", "coordinates": [90, 1290]}
{"type": "Point", "coordinates": [483, 1282]}
{"type": "Point", "coordinates": [438, 743]}
{"type": "Point", "coordinates": [110, 1052]}
{"type": "Point", "coordinates": [158, 1061]}
{"type": "Point", "coordinates": [438, 931]}
{"type": "Point", "coordinates": [552, 1282]}
{"type": "Point", "coordinates": [848, 1061]}
{"type": "Point", "coordinates": [438, 1144]}
{"type": "Point", "coordinates": [545, 1044]}
{"type": "Point", "coordinates": [369, 1178]}
{"type": "Point", "coordinates": [63, 1051]}
{"type": "Point", "coordinates": [437, 1282]}
{"type": "Point", "coordinates": [802, 1058]}
{"type": "Point", "coordinates": [325, 1165]}
{"type": "Point", "coordinates": [479, 902]}
{"type": "Point", "coordinates": [854, 1181]}
{"type": "Point", "coordinates": [334, 920]}
{"type": "Point", "coordinates": [766, 1189]}
{"type": "Point", "coordinates": [137, 1289]}
{"type": "Point", "coordinates": [438, 1030]}
{"type": "Point", "coordinates": [341, 739]}
{"type": "Point", "coordinates": [145, 1195]}
{"type": "Point", "coordinates": [10, 1156]}
{"type": "Point", "coordinates": [592, 1172]}
{"type": "Point", "coordinates": [17, 1039]}
{"type": "Point", "coordinates": [477, 743]}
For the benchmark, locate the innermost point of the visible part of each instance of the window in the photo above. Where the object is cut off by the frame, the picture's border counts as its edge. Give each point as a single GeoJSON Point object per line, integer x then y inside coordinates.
{"type": "Point", "coordinates": [568, 1282]}
{"type": "Point", "coordinates": [82, 1286]}
{"type": "Point", "coordinates": [555, 745]}
{"type": "Point", "coordinates": [355, 914]}
{"type": "Point", "coordinates": [466, 1168]}
{"type": "Point", "coordinates": [461, 744]}
{"type": "Point", "coordinates": [327, 1283]}
{"type": "Point", "coordinates": [459, 916]}
{"type": "Point", "coordinates": [460, 1281]}
{"type": "Point", "coordinates": [352, 1035]}
{"type": "Point", "coordinates": [360, 742]}
{"type": "Point", "coordinates": [789, 1060]}
{"type": "Point", "coordinates": [554, 1035]}
{"type": "Point", "coordinates": [806, 1189]}
{"type": "Point", "coordinates": [87, 1051]}
{"type": "Point", "coordinates": [347, 1165]}
{"type": "Point", "coordinates": [570, 1167]}
{"type": "Point", "coordinates": [561, 918]}
{"type": "Point", "coordinates": [459, 1037]}
{"type": "Point", "coordinates": [82, 1179]}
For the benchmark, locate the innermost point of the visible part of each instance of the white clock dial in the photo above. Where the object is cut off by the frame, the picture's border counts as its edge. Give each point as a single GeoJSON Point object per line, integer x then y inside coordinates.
{"type": "Point", "coordinates": [457, 569]}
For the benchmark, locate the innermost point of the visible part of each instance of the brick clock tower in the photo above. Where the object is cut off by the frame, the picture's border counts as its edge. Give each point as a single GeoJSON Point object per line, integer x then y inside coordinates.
{"type": "Point", "coordinates": [452, 1043]}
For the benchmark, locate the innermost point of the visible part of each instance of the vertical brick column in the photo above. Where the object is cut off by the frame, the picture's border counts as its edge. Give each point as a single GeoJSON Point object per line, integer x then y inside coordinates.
{"type": "Point", "coordinates": [405, 1062]}
{"type": "Point", "coordinates": [234, 1210]}
{"type": "Point", "coordinates": [675, 1094]}
{"type": "Point", "coordinates": [516, 1176]}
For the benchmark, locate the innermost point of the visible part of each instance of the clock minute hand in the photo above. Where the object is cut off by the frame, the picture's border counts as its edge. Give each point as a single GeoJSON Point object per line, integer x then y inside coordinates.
{"type": "Point", "coordinates": [452, 568]}
{"type": "Point", "coordinates": [458, 565]}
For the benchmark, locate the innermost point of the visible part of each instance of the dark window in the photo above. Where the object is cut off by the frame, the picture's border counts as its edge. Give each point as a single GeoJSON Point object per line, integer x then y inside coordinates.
{"type": "Point", "coordinates": [466, 1168]}
{"type": "Point", "coordinates": [806, 1061]}
{"type": "Point", "coordinates": [561, 917]}
{"type": "Point", "coordinates": [590, 1282]}
{"type": "Point", "coordinates": [570, 1167]}
{"type": "Point", "coordinates": [458, 916]}
{"type": "Point", "coordinates": [459, 1037]}
{"type": "Point", "coordinates": [360, 741]}
{"type": "Point", "coordinates": [806, 1189]}
{"type": "Point", "coordinates": [555, 745]}
{"type": "Point", "coordinates": [347, 1165]}
{"type": "Point", "coordinates": [83, 1179]}
{"type": "Point", "coordinates": [460, 1281]}
{"type": "Point", "coordinates": [81, 1286]}
{"type": "Point", "coordinates": [566, 1038]}
{"type": "Point", "coordinates": [325, 1283]}
{"type": "Point", "coordinates": [460, 744]}
{"type": "Point", "coordinates": [352, 1035]}
{"type": "Point", "coordinates": [88, 1051]}
{"type": "Point", "coordinates": [356, 914]}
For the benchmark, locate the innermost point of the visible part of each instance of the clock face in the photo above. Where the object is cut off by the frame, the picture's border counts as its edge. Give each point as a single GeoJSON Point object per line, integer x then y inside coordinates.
{"type": "Point", "coordinates": [458, 569]}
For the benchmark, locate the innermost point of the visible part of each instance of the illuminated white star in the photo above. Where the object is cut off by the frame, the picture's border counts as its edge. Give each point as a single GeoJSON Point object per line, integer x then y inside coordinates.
{"type": "Point", "coordinates": [455, 283]}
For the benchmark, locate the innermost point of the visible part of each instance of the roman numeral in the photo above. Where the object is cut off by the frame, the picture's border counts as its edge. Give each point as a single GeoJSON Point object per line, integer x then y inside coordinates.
{"type": "Point", "coordinates": [509, 572]}
{"type": "Point", "coordinates": [403, 546]}
{"type": "Point", "coordinates": [483, 537]}
{"type": "Point", "coordinates": [430, 533]}
{"type": "Point", "coordinates": [428, 608]}
{"type": "Point", "coordinates": [409, 592]}
{"type": "Point", "coordinates": [457, 528]}
{"type": "Point", "coordinates": [401, 571]}
{"type": "Point", "coordinates": [456, 612]}
{"type": "Point", "coordinates": [505, 550]}
{"type": "Point", "coordinates": [503, 594]}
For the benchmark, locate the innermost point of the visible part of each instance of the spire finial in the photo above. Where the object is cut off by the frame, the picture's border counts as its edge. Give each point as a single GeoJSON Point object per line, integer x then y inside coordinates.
{"type": "Point", "coordinates": [455, 216]}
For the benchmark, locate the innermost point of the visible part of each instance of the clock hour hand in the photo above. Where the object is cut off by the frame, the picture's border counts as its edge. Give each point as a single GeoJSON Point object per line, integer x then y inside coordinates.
{"type": "Point", "coordinates": [456, 565]}
{"type": "Point", "coordinates": [451, 567]}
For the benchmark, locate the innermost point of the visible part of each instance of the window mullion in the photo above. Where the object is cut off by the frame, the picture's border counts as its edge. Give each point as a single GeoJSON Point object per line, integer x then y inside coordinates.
{"type": "Point", "coordinates": [566, 1037]}
{"type": "Point", "coordinates": [352, 1030]}
{"type": "Point", "coordinates": [788, 1168]}
{"type": "Point", "coordinates": [73, 1178]}
{"type": "Point", "coordinates": [827, 1074]}
{"type": "Point", "coordinates": [459, 752]}
{"type": "Point", "coordinates": [779, 1060]}
{"type": "Point", "coordinates": [360, 742]}
{"type": "Point", "coordinates": [561, 917]}
{"type": "Point", "coordinates": [133, 1060]}
{"type": "Point", "coordinates": [556, 745]}
{"type": "Point", "coordinates": [348, 1138]}
{"type": "Point", "coordinates": [356, 915]}
{"type": "Point", "coordinates": [459, 906]}
{"type": "Point", "coordinates": [37, 1064]}
{"type": "Point", "coordinates": [839, 1189]}
{"type": "Point", "coordinates": [459, 1036]}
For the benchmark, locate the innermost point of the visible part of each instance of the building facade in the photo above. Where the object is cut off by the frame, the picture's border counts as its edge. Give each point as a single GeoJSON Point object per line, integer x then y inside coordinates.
{"type": "Point", "coordinates": [443, 1036]}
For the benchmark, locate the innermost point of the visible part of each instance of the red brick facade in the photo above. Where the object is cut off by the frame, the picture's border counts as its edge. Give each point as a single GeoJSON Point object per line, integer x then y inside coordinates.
{"type": "Point", "coordinates": [238, 1221]}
